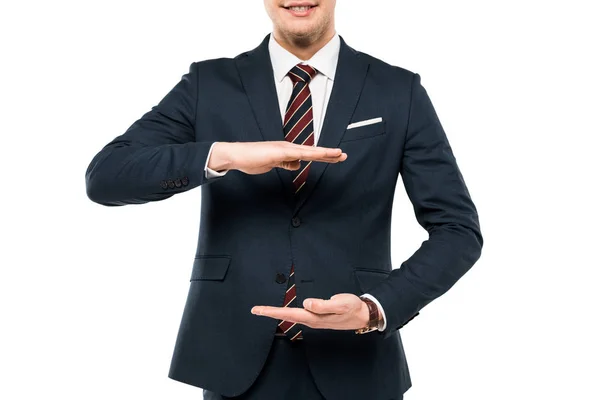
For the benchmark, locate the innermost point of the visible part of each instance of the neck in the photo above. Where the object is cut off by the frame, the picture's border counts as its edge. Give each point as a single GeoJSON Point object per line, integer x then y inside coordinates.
{"type": "Point", "coordinates": [303, 48]}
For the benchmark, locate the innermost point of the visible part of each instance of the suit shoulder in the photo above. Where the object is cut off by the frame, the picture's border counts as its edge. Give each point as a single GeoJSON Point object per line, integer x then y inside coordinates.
{"type": "Point", "coordinates": [213, 63]}
{"type": "Point", "coordinates": [219, 65]}
{"type": "Point", "coordinates": [384, 68]}
{"type": "Point", "coordinates": [220, 62]}
{"type": "Point", "coordinates": [214, 68]}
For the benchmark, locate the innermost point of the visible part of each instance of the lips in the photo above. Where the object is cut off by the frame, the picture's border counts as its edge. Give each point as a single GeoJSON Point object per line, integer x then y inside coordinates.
{"type": "Point", "coordinates": [300, 4]}
{"type": "Point", "coordinates": [300, 10]}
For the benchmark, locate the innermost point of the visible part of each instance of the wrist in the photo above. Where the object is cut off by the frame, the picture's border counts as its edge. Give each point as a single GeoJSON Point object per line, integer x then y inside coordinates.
{"type": "Point", "coordinates": [364, 314]}
{"type": "Point", "coordinates": [382, 319]}
{"type": "Point", "coordinates": [220, 158]}
{"type": "Point", "coordinates": [370, 313]}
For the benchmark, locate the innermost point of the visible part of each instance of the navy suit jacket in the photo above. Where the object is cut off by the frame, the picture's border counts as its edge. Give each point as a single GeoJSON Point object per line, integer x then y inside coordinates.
{"type": "Point", "coordinates": [336, 232]}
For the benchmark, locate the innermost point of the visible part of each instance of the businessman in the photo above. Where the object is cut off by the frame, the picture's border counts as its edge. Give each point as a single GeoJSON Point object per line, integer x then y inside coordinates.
{"type": "Point", "coordinates": [297, 146]}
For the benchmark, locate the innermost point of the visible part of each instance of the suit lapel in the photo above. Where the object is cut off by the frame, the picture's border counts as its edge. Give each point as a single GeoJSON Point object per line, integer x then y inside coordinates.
{"type": "Point", "coordinates": [347, 85]}
{"type": "Point", "coordinates": [256, 73]}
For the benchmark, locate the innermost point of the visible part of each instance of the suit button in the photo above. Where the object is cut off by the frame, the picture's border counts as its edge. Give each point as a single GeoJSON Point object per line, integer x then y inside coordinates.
{"type": "Point", "coordinates": [178, 182]}
{"type": "Point", "coordinates": [280, 278]}
{"type": "Point", "coordinates": [164, 184]}
{"type": "Point", "coordinates": [171, 184]}
{"type": "Point", "coordinates": [185, 181]}
{"type": "Point", "coordinates": [296, 222]}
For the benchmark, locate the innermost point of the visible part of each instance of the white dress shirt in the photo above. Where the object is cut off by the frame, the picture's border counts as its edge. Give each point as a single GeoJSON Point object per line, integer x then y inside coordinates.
{"type": "Point", "coordinates": [325, 62]}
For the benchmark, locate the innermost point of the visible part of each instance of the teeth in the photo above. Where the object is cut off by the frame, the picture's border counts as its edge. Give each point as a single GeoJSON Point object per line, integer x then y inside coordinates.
{"type": "Point", "coordinates": [303, 8]}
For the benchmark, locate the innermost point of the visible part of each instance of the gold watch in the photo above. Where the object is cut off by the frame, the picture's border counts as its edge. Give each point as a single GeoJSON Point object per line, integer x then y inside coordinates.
{"type": "Point", "coordinates": [375, 320]}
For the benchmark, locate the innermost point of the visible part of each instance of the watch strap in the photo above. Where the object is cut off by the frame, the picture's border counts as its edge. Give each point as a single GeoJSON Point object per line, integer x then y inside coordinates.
{"type": "Point", "coordinates": [374, 319]}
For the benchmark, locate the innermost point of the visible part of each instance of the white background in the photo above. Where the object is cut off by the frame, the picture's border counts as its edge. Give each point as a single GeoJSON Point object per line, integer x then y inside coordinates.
{"type": "Point", "coordinates": [91, 296]}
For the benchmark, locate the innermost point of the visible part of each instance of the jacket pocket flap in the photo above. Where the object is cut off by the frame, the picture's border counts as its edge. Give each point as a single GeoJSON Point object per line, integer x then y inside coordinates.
{"type": "Point", "coordinates": [369, 278]}
{"type": "Point", "coordinates": [212, 268]}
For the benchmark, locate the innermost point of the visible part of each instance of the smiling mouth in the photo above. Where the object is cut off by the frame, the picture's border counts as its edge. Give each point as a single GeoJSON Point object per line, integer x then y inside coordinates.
{"type": "Point", "coordinates": [303, 8]}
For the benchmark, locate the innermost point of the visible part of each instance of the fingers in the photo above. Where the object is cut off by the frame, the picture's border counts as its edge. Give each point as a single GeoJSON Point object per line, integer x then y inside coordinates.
{"type": "Point", "coordinates": [331, 306]}
{"type": "Point", "coordinates": [304, 317]}
{"type": "Point", "coordinates": [296, 154]}
{"type": "Point", "coordinates": [342, 157]}
{"type": "Point", "coordinates": [292, 314]}
{"type": "Point", "coordinates": [294, 165]}
{"type": "Point", "coordinates": [290, 165]}
{"type": "Point", "coordinates": [329, 151]}
{"type": "Point", "coordinates": [294, 151]}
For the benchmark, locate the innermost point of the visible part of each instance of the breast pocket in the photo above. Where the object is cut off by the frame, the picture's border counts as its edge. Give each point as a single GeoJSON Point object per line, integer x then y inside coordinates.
{"type": "Point", "coordinates": [364, 132]}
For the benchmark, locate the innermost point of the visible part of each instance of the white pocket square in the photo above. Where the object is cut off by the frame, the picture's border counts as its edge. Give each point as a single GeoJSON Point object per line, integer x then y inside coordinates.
{"type": "Point", "coordinates": [365, 122]}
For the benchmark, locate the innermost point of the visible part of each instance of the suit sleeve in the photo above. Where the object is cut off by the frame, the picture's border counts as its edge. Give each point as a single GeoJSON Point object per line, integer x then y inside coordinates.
{"type": "Point", "coordinates": [210, 173]}
{"type": "Point", "coordinates": [442, 206]}
{"type": "Point", "coordinates": [158, 156]}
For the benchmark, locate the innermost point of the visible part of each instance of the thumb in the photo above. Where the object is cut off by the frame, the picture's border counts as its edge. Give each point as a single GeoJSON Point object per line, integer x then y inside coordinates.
{"type": "Point", "coordinates": [290, 165]}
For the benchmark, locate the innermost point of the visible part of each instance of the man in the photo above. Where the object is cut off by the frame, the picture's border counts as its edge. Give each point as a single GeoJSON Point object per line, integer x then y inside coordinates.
{"type": "Point", "coordinates": [292, 292]}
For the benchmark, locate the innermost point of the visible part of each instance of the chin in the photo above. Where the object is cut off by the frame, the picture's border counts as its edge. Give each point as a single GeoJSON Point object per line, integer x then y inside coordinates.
{"type": "Point", "coordinates": [303, 31]}
{"type": "Point", "coordinates": [300, 30]}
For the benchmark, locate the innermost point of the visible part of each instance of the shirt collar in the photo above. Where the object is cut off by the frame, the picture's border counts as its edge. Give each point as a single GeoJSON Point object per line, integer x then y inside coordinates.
{"type": "Point", "coordinates": [325, 60]}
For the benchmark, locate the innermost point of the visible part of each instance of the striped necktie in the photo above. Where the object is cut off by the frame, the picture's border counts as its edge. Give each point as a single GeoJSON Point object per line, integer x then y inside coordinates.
{"type": "Point", "coordinates": [298, 128]}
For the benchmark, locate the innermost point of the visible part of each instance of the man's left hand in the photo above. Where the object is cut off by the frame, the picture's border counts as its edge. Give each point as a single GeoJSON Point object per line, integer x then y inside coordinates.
{"type": "Point", "coordinates": [343, 311]}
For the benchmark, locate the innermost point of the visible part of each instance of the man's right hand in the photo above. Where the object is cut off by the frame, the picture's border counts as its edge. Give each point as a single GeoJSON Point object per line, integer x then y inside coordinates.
{"type": "Point", "coordinates": [260, 157]}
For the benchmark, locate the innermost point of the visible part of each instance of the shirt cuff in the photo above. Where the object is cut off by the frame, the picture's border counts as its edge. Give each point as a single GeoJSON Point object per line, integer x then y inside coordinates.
{"type": "Point", "coordinates": [379, 307]}
{"type": "Point", "coordinates": [211, 173]}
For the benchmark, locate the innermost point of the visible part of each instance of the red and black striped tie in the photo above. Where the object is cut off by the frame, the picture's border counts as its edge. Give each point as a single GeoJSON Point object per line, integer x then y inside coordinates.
{"type": "Point", "coordinates": [298, 128]}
